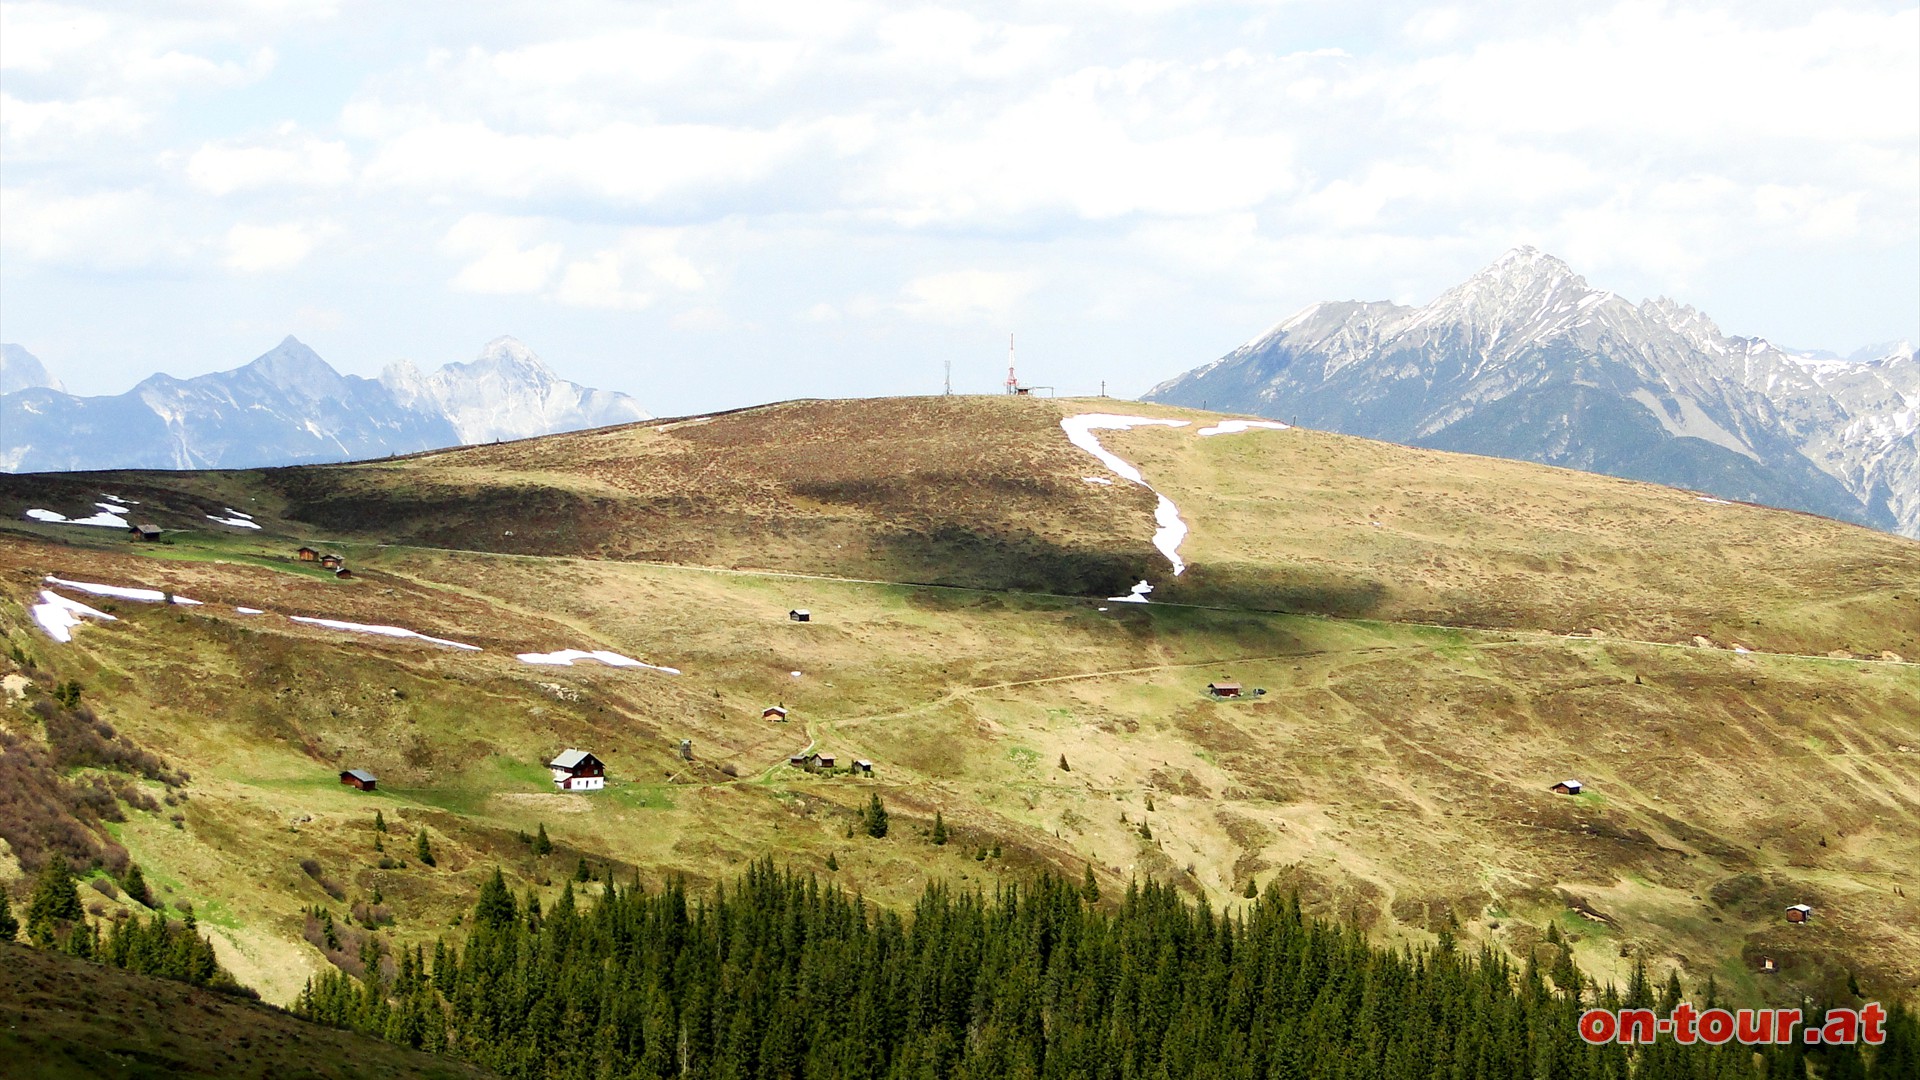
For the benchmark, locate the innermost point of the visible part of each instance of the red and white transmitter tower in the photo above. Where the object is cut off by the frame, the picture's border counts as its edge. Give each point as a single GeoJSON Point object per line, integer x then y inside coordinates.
{"type": "Point", "coordinates": [1013, 384]}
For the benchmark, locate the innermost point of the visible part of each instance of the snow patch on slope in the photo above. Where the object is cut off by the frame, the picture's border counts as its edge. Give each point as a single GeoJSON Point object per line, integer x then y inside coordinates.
{"type": "Point", "coordinates": [1169, 530]}
{"type": "Point", "coordinates": [566, 658]}
{"type": "Point", "coordinates": [58, 615]}
{"type": "Point", "coordinates": [120, 592]}
{"type": "Point", "coordinates": [384, 631]}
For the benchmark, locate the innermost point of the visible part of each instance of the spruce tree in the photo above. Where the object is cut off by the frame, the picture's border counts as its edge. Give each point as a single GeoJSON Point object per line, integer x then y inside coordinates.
{"type": "Point", "coordinates": [423, 850]}
{"type": "Point", "coordinates": [135, 883]}
{"type": "Point", "coordinates": [9, 926]}
{"type": "Point", "coordinates": [581, 872]}
{"type": "Point", "coordinates": [55, 901]}
{"type": "Point", "coordinates": [379, 821]}
{"type": "Point", "coordinates": [876, 820]}
{"type": "Point", "coordinates": [1251, 891]}
{"type": "Point", "coordinates": [541, 844]}
{"type": "Point", "coordinates": [1090, 887]}
{"type": "Point", "coordinates": [939, 830]}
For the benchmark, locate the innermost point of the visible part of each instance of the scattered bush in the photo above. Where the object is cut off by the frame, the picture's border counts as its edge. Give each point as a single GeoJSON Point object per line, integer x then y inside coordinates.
{"type": "Point", "coordinates": [332, 887]}
{"type": "Point", "coordinates": [105, 887]}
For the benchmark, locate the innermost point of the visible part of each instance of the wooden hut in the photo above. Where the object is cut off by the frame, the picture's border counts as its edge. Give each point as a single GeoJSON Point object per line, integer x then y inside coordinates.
{"type": "Point", "coordinates": [1224, 689]}
{"type": "Point", "coordinates": [800, 614]}
{"type": "Point", "coordinates": [1567, 787]}
{"type": "Point", "coordinates": [359, 778]}
{"type": "Point", "coordinates": [1799, 913]}
{"type": "Point", "coordinates": [306, 554]}
{"type": "Point", "coordinates": [774, 712]}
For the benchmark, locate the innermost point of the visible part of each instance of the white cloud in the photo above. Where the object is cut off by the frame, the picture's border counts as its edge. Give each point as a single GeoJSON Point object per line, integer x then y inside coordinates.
{"type": "Point", "coordinates": [258, 248]}
{"type": "Point", "coordinates": [291, 160]}
{"type": "Point", "coordinates": [967, 295]}
{"type": "Point", "coordinates": [501, 255]}
{"type": "Point", "coordinates": [108, 230]}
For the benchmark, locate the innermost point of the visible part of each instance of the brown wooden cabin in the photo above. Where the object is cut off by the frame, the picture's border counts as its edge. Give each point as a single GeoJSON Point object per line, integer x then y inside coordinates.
{"type": "Point", "coordinates": [1224, 689]}
{"type": "Point", "coordinates": [306, 554]}
{"type": "Point", "coordinates": [1799, 913]}
{"type": "Point", "coordinates": [774, 712]}
{"type": "Point", "coordinates": [863, 767]}
{"type": "Point", "coordinates": [800, 614]}
{"type": "Point", "coordinates": [359, 778]}
{"type": "Point", "coordinates": [343, 572]}
{"type": "Point", "coordinates": [1567, 787]}
{"type": "Point", "coordinates": [822, 761]}
{"type": "Point", "coordinates": [146, 530]}
{"type": "Point", "coordinates": [331, 562]}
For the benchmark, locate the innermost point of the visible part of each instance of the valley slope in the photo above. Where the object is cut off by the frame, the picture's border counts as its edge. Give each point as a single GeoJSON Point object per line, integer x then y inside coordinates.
{"type": "Point", "coordinates": [1439, 638]}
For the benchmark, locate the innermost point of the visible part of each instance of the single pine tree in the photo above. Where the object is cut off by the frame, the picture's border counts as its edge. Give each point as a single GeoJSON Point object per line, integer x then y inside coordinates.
{"type": "Point", "coordinates": [580, 871]}
{"type": "Point", "coordinates": [832, 863]}
{"type": "Point", "coordinates": [423, 850]}
{"type": "Point", "coordinates": [379, 821]}
{"type": "Point", "coordinates": [55, 901]}
{"type": "Point", "coordinates": [939, 830]}
{"type": "Point", "coordinates": [1251, 890]}
{"type": "Point", "coordinates": [1089, 887]}
{"type": "Point", "coordinates": [541, 844]}
{"type": "Point", "coordinates": [9, 926]}
{"type": "Point", "coordinates": [876, 817]}
{"type": "Point", "coordinates": [136, 885]}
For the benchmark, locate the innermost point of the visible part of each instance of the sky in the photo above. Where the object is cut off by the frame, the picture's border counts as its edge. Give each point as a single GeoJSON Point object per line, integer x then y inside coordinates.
{"type": "Point", "coordinates": [715, 204]}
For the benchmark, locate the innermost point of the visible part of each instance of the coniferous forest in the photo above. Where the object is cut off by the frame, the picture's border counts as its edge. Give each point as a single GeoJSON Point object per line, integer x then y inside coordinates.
{"type": "Point", "coordinates": [779, 976]}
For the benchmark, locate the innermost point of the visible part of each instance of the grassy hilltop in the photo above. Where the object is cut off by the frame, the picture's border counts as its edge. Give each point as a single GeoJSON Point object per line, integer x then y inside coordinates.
{"type": "Point", "coordinates": [1440, 637]}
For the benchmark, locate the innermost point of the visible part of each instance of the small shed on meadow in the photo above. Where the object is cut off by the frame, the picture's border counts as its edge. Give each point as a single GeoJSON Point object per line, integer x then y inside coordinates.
{"type": "Point", "coordinates": [863, 766]}
{"type": "Point", "coordinates": [798, 761]}
{"type": "Point", "coordinates": [578, 770]}
{"type": "Point", "coordinates": [1799, 913]}
{"type": "Point", "coordinates": [359, 778]}
{"type": "Point", "coordinates": [1567, 787]}
{"type": "Point", "coordinates": [800, 614]}
{"type": "Point", "coordinates": [1767, 966]}
{"type": "Point", "coordinates": [306, 554]}
{"type": "Point", "coordinates": [821, 761]}
{"type": "Point", "coordinates": [343, 572]}
{"type": "Point", "coordinates": [774, 712]}
{"type": "Point", "coordinates": [331, 562]}
{"type": "Point", "coordinates": [1224, 689]}
{"type": "Point", "coordinates": [147, 531]}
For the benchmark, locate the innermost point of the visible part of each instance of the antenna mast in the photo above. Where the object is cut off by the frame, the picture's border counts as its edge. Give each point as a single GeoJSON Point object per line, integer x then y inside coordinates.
{"type": "Point", "coordinates": [1013, 384]}
{"type": "Point", "coordinates": [949, 390]}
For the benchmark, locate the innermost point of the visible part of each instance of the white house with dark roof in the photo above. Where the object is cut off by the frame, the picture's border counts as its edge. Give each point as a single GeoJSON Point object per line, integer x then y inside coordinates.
{"type": "Point", "coordinates": [578, 770]}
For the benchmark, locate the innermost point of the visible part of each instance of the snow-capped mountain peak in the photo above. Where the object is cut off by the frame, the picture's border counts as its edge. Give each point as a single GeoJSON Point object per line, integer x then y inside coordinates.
{"type": "Point", "coordinates": [289, 406]}
{"type": "Point", "coordinates": [1526, 359]}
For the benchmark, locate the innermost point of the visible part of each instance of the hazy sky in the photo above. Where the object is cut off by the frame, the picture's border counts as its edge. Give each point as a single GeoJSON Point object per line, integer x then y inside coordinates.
{"type": "Point", "coordinates": [710, 204]}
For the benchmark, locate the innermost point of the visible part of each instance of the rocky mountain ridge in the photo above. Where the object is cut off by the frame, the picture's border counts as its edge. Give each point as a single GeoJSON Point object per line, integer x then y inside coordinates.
{"type": "Point", "coordinates": [1526, 360]}
{"type": "Point", "coordinates": [288, 407]}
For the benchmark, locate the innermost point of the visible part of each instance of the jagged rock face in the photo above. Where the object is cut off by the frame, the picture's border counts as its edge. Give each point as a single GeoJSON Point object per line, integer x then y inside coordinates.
{"type": "Point", "coordinates": [291, 407]}
{"type": "Point", "coordinates": [21, 370]}
{"type": "Point", "coordinates": [1526, 360]}
{"type": "Point", "coordinates": [507, 394]}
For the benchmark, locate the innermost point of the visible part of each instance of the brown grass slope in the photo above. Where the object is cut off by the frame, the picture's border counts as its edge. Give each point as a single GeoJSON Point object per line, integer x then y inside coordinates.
{"type": "Point", "coordinates": [61, 1017]}
{"type": "Point", "coordinates": [986, 492]}
{"type": "Point", "coordinates": [1395, 772]}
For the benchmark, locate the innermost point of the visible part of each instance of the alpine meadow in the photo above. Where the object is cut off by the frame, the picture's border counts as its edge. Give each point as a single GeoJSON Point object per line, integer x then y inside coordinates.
{"type": "Point", "coordinates": [903, 778]}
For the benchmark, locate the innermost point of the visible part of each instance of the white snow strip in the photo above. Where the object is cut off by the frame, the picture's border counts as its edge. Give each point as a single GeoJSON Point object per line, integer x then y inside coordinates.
{"type": "Point", "coordinates": [121, 592]}
{"type": "Point", "coordinates": [235, 513]}
{"type": "Point", "coordinates": [796, 674]}
{"type": "Point", "coordinates": [238, 523]}
{"type": "Point", "coordinates": [1137, 596]}
{"type": "Point", "coordinates": [1171, 530]}
{"type": "Point", "coordinates": [384, 631]}
{"type": "Point", "coordinates": [118, 499]}
{"type": "Point", "coordinates": [566, 657]}
{"type": "Point", "coordinates": [249, 611]}
{"type": "Point", "coordinates": [109, 518]}
{"type": "Point", "coordinates": [1097, 480]}
{"type": "Point", "coordinates": [1718, 502]}
{"type": "Point", "coordinates": [58, 615]}
{"type": "Point", "coordinates": [1232, 427]}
